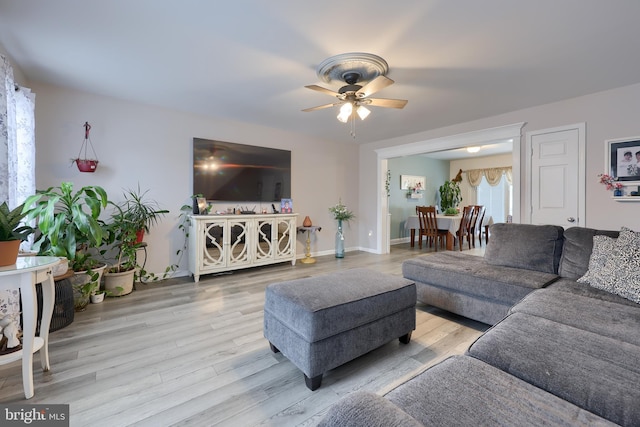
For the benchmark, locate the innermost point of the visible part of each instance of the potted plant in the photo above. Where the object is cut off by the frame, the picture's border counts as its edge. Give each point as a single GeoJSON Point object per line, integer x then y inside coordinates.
{"type": "Point", "coordinates": [122, 236]}
{"type": "Point", "coordinates": [70, 227]}
{"type": "Point", "coordinates": [449, 195]}
{"type": "Point", "coordinates": [12, 233]}
{"type": "Point", "coordinates": [143, 213]}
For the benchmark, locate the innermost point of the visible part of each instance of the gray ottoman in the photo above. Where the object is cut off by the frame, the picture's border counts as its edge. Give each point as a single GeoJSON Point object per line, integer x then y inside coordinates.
{"type": "Point", "coordinates": [321, 322]}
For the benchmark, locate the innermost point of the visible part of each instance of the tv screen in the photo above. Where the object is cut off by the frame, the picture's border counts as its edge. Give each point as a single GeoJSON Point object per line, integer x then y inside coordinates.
{"type": "Point", "coordinates": [229, 172]}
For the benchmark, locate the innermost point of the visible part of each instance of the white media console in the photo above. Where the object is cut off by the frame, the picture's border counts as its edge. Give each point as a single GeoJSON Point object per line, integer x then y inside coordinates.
{"type": "Point", "coordinates": [220, 243]}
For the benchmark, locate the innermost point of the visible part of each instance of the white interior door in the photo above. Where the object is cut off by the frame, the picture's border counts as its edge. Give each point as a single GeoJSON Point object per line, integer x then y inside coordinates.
{"type": "Point", "coordinates": [557, 176]}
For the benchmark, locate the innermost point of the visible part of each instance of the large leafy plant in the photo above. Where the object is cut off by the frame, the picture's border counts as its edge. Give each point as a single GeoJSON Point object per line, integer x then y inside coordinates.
{"type": "Point", "coordinates": [69, 222]}
{"type": "Point", "coordinates": [449, 195]}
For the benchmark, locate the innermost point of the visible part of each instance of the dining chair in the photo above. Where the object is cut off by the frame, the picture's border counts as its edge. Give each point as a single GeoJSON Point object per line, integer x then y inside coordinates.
{"type": "Point", "coordinates": [472, 224]}
{"type": "Point", "coordinates": [482, 229]}
{"type": "Point", "coordinates": [429, 227]}
{"type": "Point", "coordinates": [463, 230]}
{"type": "Point", "coordinates": [476, 223]}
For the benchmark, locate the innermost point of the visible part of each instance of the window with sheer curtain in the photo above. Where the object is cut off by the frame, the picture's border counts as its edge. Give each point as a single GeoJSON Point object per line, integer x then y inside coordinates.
{"type": "Point", "coordinates": [494, 190]}
{"type": "Point", "coordinates": [17, 139]}
{"type": "Point", "coordinates": [17, 160]}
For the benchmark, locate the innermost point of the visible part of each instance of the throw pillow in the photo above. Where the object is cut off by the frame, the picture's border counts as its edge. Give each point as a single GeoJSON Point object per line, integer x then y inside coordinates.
{"type": "Point", "coordinates": [601, 252]}
{"type": "Point", "coordinates": [621, 271]}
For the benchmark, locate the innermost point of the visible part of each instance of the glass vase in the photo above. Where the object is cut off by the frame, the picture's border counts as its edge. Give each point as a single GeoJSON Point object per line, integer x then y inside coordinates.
{"type": "Point", "coordinates": [617, 192]}
{"type": "Point", "coordinates": [339, 241]}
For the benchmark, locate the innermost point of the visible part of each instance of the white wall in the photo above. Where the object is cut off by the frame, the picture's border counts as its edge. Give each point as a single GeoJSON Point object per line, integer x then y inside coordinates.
{"type": "Point", "coordinates": [609, 114]}
{"type": "Point", "coordinates": [152, 146]}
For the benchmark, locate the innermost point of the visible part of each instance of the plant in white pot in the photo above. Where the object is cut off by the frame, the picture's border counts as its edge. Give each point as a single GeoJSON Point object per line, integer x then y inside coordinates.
{"type": "Point", "coordinates": [70, 227]}
{"type": "Point", "coordinates": [12, 232]}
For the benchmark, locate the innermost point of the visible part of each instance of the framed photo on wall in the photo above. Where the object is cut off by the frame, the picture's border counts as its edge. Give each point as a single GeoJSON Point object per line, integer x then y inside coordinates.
{"type": "Point", "coordinates": [623, 159]}
{"type": "Point", "coordinates": [413, 182]}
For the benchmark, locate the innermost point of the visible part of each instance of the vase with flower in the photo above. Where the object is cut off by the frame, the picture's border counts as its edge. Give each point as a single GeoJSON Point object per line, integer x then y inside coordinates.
{"type": "Point", "coordinates": [340, 213]}
{"type": "Point", "coordinates": [611, 183]}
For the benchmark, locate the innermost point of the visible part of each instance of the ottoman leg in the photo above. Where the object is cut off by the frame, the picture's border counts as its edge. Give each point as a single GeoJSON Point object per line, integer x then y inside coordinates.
{"type": "Point", "coordinates": [274, 348]}
{"type": "Point", "coordinates": [313, 383]}
{"type": "Point", "coordinates": [405, 338]}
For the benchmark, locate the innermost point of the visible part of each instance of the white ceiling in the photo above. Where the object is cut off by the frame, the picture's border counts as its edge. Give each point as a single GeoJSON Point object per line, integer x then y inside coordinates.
{"type": "Point", "coordinates": [249, 60]}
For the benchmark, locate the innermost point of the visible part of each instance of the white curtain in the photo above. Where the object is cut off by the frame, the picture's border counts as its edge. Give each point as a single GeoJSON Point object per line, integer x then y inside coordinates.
{"type": "Point", "coordinates": [17, 158]}
{"type": "Point", "coordinates": [17, 139]}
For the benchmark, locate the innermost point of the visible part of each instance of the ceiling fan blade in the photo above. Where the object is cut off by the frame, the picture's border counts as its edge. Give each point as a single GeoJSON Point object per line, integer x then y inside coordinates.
{"type": "Point", "coordinates": [373, 86]}
{"type": "Point", "coordinates": [321, 107]}
{"type": "Point", "coordinates": [323, 90]}
{"type": "Point", "coordinates": [387, 103]}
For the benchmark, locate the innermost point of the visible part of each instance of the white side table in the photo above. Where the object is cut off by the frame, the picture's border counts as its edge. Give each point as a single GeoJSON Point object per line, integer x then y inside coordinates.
{"type": "Point", "coordinates": [23, 275]}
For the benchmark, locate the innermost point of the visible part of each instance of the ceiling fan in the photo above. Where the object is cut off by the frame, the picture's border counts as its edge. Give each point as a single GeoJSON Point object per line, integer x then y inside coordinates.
{"type": "Point", "coordinates": [353, 97]}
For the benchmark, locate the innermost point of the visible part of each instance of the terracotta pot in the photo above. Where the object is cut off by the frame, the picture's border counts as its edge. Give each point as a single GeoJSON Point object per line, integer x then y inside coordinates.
{"type": "Point", "coordinates": [9, 252]}
{"type": "Point", "coordinates": [306, 222]}
{"type": "Point", "coordinates": [139, 236]}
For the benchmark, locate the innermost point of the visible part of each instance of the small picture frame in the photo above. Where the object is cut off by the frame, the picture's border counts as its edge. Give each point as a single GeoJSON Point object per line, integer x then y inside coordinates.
{"type": "Point", "coordinates": [623, 159]}
{"type": "Point", "coordinates": [286, 206]}
{"type": "Point", "coordinates": [412, 182]}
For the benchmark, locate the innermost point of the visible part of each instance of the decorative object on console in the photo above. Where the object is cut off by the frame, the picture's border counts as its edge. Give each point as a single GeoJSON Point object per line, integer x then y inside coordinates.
{"type": "Point", "coordinates": [286, 206]}
{"type": "Point", "coordinates": [340, 213]}
{"type": "Point", "coordinates": [307, 222]}
{"type": "Point", "coordinates": [86, 164]}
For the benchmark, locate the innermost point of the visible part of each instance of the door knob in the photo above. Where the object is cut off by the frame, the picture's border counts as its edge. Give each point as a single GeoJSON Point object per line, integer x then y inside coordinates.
{"type": "Point", "coordinates": [571, 219]}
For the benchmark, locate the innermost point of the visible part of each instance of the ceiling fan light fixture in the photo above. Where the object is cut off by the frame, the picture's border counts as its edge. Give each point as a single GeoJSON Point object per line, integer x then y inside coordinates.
{"type": "Point", "coordinates": [345, 112]}
{"type": "Point", "coordinates": [363, 112]}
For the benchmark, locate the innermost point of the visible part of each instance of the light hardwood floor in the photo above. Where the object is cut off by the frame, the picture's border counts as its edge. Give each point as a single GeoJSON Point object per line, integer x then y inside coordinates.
{"type": "Point", "coordinates": [180, 353]}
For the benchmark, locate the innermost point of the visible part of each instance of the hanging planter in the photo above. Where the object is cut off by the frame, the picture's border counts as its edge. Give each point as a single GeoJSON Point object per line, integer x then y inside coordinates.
{"type": "Point", "coordinates": [85, 164]}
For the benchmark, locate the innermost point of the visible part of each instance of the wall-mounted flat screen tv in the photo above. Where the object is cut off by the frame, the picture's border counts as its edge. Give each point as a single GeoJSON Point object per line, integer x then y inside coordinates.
{"type": "Point", "coordinates": [229, 172]}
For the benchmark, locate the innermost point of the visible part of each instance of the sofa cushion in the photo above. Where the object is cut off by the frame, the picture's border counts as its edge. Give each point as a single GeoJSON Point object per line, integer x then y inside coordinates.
{"type": "Point", "coordinates": [463, 391]}
{"type": "Point", "coordinates": [471, 275]}
{"type": "Point", "coordinates": [573, 287]}
{"type": "Point", "coordinates": [365, 409]}
{"type": "Point", "coordinates": [576, 250]}
{"type": "Point", "coordinates": [620, 273]}
{"type": "Point", "coordinates": [532, 247]}
{"type": "Point", "coordinates": [607, 318]}
{"type": "Point", "coordinates": [602, 250]}
{"type": "Point", "coordinates": [597, 373]}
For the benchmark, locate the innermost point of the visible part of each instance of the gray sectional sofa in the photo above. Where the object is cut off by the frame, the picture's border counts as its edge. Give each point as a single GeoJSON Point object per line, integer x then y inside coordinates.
{"type": "Point", "coordinates": [563, 353]}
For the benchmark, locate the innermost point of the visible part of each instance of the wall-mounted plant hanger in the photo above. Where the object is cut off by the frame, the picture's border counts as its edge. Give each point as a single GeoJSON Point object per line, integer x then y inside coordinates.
{"type": "Point", "coordinates": [86, 164]}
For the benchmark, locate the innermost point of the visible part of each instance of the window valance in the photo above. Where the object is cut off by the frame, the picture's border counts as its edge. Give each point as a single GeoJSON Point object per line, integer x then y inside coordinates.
{"type": "Point", "coordinates": [492, 175]}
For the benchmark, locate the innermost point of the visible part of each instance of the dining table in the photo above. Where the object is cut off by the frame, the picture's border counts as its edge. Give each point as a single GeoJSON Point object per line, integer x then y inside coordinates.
{"type": "Point", "coordinates": [450, 223]}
